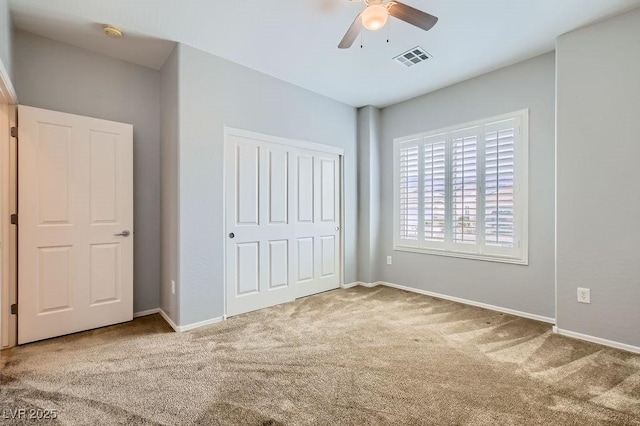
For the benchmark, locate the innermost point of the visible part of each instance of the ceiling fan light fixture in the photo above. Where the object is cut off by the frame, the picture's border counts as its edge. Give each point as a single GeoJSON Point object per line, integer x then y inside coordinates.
{"type": "Point", "coordinates": [375, 17]}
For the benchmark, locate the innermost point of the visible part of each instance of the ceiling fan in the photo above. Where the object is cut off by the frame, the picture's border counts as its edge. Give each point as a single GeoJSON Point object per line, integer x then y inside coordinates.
{"type": "Point", "coordinates": [375, 16]}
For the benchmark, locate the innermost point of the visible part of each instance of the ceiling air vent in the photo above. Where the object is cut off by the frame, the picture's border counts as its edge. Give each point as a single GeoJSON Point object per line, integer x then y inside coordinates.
{"type": "Point", "coordinates": [413, 56]}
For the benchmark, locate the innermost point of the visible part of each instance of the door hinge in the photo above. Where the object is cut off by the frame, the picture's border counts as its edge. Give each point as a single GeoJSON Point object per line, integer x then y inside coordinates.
{"type": "Point", "coordinates": [14, 132]}
{"type": "Point", "coordinates": [14, 219]}
{"type": "Point", "coordinates": [14, 309]}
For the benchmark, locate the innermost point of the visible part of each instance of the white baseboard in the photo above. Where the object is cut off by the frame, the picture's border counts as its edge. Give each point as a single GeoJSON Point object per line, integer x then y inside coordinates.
{"type": "Point", "coordinates": [467, 302]}
{"type": "Point", "coordinates": [147, 312]}
{"type": "Point", "coordinates": [555, 329]}
{"type": "Point", "coordinates": [169, 320]}
{"type": "Point", "coordinates": [567, 333]}
{"type": "Point", "coordinates": [188, 327]}
{"type": "Point", "coordinates": [592, 339]}
{"type": "Point", "coordinates": [195, 325]}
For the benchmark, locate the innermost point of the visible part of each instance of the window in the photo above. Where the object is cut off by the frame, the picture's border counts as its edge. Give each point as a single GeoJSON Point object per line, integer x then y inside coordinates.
{"type": "Point", "coordinates": [463, 191]}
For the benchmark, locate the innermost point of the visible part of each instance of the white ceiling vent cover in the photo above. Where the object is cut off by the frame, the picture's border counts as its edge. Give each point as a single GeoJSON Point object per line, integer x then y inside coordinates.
{"type": "Point", "coordinates": [413, 56]}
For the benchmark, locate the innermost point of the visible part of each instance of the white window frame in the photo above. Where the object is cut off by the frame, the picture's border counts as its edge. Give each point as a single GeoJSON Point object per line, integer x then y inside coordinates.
{"type": "Point", "coordinates": [519, 254]}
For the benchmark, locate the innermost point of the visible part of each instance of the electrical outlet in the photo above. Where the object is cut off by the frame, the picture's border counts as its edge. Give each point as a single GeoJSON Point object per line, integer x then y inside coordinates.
{"type": "Point", "coordinates": [584, 295]}
{"type": "Point", "coordinates": [389, 260]}
{"type": "Point", "coordinates": [173, 287]}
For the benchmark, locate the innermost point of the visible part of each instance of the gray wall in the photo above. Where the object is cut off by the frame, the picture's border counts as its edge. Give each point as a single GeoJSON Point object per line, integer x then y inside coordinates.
{"type": "Point", "coordinates": [6, 37]}
{"type": "Point", "coordinates": [530, 84]}
{"type": "Point", "coordinates": [215, 92]}
{"type": "Point", "coordinates": [169, 163]}
{"type": "Point", "coordinates": [599, 179]}
{"type": "Point", "coordinates": [60, 77]}
{"type": "Point", "coordinates": [368, 192]}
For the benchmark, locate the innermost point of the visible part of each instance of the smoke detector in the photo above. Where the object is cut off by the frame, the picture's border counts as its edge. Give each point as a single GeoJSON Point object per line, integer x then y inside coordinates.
{"type": "Point", "coordinates": [111, 31]}
{"type": "Point", "coordinates": [412, 56]}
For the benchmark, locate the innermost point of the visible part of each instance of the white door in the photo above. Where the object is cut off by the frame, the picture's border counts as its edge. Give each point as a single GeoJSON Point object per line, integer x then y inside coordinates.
{"type": "Point", "coordinates": [75, 235]}
{"type": "Point", "coordinates": [317, 223]}
{"type": "Point", "coordinates": [260, 232]}
{"type": "Point", "coordinates": [282, 222]}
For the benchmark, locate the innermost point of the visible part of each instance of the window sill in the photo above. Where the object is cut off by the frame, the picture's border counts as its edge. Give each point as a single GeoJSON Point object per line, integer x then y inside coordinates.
{"type": "Point", "coordinates": [488, 258]}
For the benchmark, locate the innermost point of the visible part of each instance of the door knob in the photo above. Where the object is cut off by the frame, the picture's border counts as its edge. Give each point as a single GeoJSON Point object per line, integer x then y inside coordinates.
{"type": "Point", "coordinates": [232, 235]}
{"type": "Point", "coordinates": [124, 233]}
{"type": "Point", "coordinates": [337, 228]}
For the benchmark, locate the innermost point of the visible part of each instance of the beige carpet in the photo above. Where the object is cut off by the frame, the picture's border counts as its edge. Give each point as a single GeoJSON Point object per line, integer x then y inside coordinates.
{"type": "Point", "coordinates": [356, 357]}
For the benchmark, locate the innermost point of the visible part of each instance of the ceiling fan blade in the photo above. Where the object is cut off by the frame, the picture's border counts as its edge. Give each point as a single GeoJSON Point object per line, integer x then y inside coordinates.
{"type": "Point", "coordinates": [352, 33]}
{"type": "Point", "coordinates": [412, 15]}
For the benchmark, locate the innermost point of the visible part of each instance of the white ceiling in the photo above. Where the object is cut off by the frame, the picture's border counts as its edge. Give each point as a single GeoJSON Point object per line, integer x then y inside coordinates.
{"type": "Point", "coordinates": [295, 40]}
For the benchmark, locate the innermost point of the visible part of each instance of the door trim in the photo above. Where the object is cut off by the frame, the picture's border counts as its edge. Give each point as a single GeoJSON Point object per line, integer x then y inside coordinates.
{"type": "Point", "coordinates": [9, 250]}
{"type": "Point", "coordinates": [7, 92]}
{"type": "Point", "coordinates": [232, 131]}
{"type": "Point", "coordinates": [8, 196]}
{"type": "Point", "coordinates": [295, 143]}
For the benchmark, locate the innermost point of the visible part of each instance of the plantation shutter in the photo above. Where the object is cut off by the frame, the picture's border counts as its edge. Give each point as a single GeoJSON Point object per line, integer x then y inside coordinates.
{"type": "Point", "coordinates": [464, 187]}
{"type": "Point", "coordinates": [464, 192]}
{"type": "Point", "coordinates": [435, 194]}
{"type": "Point", "coordinates": [500, 188]}
{"type": "Point", "coordinates": [408, 193]}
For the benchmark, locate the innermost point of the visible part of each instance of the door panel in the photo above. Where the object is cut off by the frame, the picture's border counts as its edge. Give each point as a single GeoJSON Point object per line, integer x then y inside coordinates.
{"type": "Point", "coordinates": [248, 263]}
{"type": "Point", "coordinates": [104, 177]}
{"type": "Point", "coordinates": [278, 263]}
{"type": "Point", "coordinates": [305, 189]}
{"type": "Point", "coordinates": [282, 223]}
{"type": "Point", "coordinates": [105, 277]}
{"type": "Point", "coordinates": [54, 173]}
{"type": "Point", "coordinates": [328, 244]}
{"type": "Point", "coordinates": [320, 258]}
{"type": "Point", "coordinates": [247, 196]}
{"type": "Point", "coordinates": [328, 190]}
{"type": "Point", "coordinates": [75, 194]}
{"type": "Point", "coordinates": [55, 281]}
{"type": "Point", "coordinates": [259, 233]}
{"type": "Point", "coordinates": [305, 259]}
{"type": "Point", "coordinates": [278, 186]}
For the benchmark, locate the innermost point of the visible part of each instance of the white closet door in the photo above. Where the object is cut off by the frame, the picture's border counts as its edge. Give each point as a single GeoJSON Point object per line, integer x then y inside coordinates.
{"type": "Point", "coordinates": [282, 222]}
{"type": "Point", "coordinates": [75, 210]}
{"type": "Point", "coordinates": [317, 223]}
{"type": "Point", "coordinates": [260, 232]}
